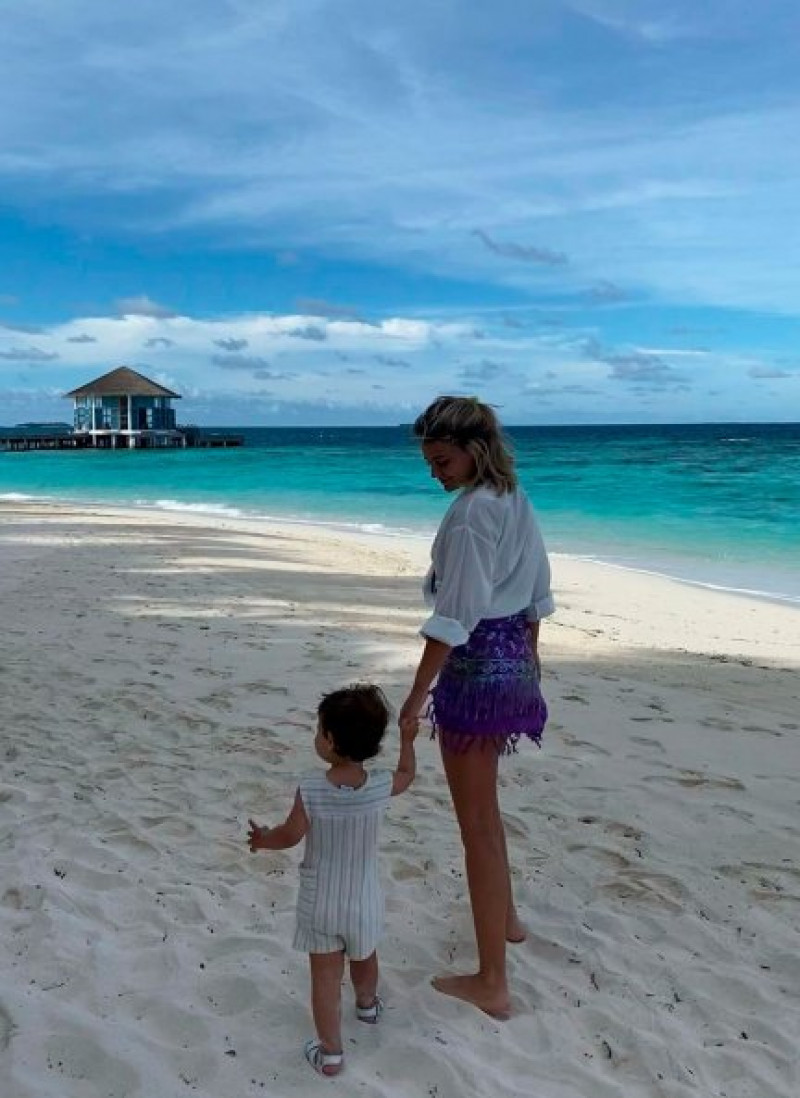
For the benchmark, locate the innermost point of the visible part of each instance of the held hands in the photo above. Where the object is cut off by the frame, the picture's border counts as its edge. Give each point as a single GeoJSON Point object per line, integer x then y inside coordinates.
{"type": "Point", "coordinates": [408, 718]}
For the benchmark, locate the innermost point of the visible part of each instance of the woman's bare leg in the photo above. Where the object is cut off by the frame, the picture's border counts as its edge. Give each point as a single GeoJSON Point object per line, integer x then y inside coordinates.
{"type": "Point", "coordinates": [515, 929]}
{"type": "Point", "coordinates": [472, 778]}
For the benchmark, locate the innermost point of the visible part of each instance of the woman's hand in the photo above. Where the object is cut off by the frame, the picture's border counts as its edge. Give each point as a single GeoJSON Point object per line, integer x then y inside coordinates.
{"type": "Point", "coordinates": [408, 718]}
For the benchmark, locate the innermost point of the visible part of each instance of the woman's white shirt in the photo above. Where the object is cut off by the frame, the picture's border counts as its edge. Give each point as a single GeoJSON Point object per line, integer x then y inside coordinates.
{"type": "Point", "coordinates": [488, 560]}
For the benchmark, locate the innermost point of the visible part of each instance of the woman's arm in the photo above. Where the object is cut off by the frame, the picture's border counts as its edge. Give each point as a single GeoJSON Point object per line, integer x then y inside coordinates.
{"type": "Point", "coordinates": [431, 662]}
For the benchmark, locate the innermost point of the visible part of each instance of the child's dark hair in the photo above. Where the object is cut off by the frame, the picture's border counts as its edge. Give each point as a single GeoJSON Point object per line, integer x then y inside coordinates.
{"type": "Point", "coordinates": [355, 718]}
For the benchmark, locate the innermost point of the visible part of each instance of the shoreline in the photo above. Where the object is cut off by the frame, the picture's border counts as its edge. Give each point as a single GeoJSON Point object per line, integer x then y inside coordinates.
{"type": "Point", "coordinates": [158, 685]}
{"type": "Point", "coordinates": [214, 513]}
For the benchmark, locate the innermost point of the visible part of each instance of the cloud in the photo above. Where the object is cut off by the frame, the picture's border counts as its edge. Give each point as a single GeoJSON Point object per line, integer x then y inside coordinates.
{"type": "Point", "coordinates": [82, 338]}
{"type": "Point", "coordinates": [26, 329]}
{"type": "Point", "coordinates": [636, 367]}
{"type": "Point", "coordinates": [142, 306]}
{"type": "Point", "coordinates": [528, 253]}
{"type": "Point", "coordinates": [28, 354]}
{"type": "Point", "coordinates": [771, 372]}
{"type": "Point", "coordinates": [272, 375]}
{"type": "Point", "coordinates": [309, 331]}
{"type": "Point", "coordinates": [231, 344]}
{"type": "Point", "coordinates": [240, 362]}
{"type": "Point", "coordinates": [159, 341]}
{"type": "Point", "coordinates": [314, 306]}
{"type": "Point", "coordinates": [606, 293]}
{"type": "Point", "coordinates": [416, 355]}
{"type": "Point", "coordinates": [570, 389]}
{"type": "Point", "coordinates": [257, 129]}
{"type": "Point", "coordinates": [482, 372]}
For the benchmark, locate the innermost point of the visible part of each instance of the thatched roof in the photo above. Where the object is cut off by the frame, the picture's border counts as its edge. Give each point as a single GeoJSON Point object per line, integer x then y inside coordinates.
{"type": "Point", "coordinates": [122, 382]}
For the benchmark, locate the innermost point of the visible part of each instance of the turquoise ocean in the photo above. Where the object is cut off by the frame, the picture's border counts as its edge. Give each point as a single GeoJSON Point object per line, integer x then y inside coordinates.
{"type": "Point", "coordinates": [716, 505]}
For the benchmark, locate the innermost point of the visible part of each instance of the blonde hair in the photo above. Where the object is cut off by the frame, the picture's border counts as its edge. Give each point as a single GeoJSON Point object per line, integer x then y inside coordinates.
{"type": "Point", "coordinates": [466, 422]}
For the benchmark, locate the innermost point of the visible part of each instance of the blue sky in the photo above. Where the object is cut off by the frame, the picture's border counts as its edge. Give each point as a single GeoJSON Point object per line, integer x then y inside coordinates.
{"type": "Point", "coordinates": [329, 211]}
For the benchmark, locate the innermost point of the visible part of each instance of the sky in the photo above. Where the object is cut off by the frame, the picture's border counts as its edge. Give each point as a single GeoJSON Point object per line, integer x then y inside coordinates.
{"type": "Point", "coordinates": [330, 211]}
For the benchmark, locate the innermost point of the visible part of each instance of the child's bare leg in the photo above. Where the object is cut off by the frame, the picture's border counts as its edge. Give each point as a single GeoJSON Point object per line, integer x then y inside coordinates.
{"type": "Point", "coordinates": [364, 975]}
{"type": "Point", "coordinates": [327, 970]}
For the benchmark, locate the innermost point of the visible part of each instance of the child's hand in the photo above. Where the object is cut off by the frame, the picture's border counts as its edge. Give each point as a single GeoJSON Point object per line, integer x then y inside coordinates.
{"type": "Point", "coordinates": [256, 836]}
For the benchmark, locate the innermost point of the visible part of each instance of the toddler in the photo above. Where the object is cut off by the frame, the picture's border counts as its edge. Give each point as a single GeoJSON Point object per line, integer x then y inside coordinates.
{"type": "Point", "coordinates": [340, 903]}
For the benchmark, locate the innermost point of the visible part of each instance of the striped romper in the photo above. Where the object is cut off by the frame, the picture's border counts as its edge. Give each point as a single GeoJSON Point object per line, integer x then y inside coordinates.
{"type": "Point", "coordinates": [340, 902]}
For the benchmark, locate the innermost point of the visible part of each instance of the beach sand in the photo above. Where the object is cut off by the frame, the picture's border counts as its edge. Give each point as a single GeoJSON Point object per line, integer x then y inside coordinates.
{"type": "Point", "coordinates": [158, 682]}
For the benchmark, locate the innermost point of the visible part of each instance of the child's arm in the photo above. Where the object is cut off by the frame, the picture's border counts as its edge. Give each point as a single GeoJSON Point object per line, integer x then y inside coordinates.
{"type": "Point", "coordinates": [287, 834]}
{"type": "Point", "coordinates": [406, 766]}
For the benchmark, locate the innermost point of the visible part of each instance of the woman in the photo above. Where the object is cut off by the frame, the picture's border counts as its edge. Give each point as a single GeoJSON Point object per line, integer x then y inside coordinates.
{"type": "Point", "coordinates": [489, 587]}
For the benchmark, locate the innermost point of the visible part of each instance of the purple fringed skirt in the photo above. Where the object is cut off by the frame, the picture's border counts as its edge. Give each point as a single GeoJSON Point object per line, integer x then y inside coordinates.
{"type": "Point", "coordinates": [487, 693]}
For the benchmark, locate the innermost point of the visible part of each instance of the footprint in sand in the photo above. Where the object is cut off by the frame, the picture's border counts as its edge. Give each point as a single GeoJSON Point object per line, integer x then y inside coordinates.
{"type": "Point", "coordinates": [761, 730]}
{"type": "Point", "coordinates": [169, 1022]}
{"type": "Point", "coordinates": [406, 871]}
{"type": "Point", "coordinates": [767, 883]}
{"type": "Point", "coordinates": [229, 995]}
{"type": "Point", "coordinates": [23, 898]}
{"type": "Point", "coordinates": [609, 858]}
{"type": "Point", "coordinates": [691, 779]}
{"type": "Point", "coordinates": [614, 827]}
{"type": "Point", "coordinates": [12, 796]}
{"type": "Point", "coordinates": [79, 1056]}
{"type": "Point", "coordinates": [658, 705]}
{"type": "Point", "coordinates": [7, 1027]}
{"type": "Point", "coordinates": [646, 888]}
{"type": "Point", "coordinates": [718, 724]}
{"type": "Point", "coordinates": [646, 741]}
{"type": "Point", "coordinates": [219, 700]}
{"type": "Point", "coordinates": [264, 688]}
{"type": "Point", "coordinates": [573, 741]}
{"type": "Point", "coordinates": [736, 813]}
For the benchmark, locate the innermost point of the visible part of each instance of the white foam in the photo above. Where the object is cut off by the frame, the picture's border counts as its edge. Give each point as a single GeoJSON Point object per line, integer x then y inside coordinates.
{"type": "Point", "coordinates": [728, 589]}
{"type": "Point", "coordinates": [193, 508]}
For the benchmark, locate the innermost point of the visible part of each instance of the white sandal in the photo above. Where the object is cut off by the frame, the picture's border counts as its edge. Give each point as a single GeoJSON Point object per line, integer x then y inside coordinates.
{"type": "Point", "coordinates": [372, 1013]}
{"type": "Point", "coordinates": [321, 1061]}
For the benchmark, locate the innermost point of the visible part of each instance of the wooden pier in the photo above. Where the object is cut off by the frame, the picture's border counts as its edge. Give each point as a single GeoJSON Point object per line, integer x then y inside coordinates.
{"type": "Point", "coordinates": [23, 439]}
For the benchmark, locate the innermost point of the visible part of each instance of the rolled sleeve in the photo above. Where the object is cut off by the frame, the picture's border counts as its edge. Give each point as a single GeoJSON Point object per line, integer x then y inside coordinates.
{"type": "Point", "coordinates": [464, 586]}
{"type": "Point", "coordinates": [447, 630]}
{"type": "Point", "coordinates": [541, 608]}
{"type": "Point", "coordinates": [542, 603]}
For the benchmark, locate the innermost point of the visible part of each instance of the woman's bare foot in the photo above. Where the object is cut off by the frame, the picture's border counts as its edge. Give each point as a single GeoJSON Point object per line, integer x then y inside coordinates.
{"type": "Point", "coordinates": [515, 930]}
{"type": "Point", "coordinates": [475, 989]}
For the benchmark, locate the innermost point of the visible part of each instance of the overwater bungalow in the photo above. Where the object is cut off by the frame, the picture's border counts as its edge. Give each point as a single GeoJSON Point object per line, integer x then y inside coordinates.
{"type": "Point", "coordinates": [121, 409]}
{"type": "Point", "coordinates": [125, 408]}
